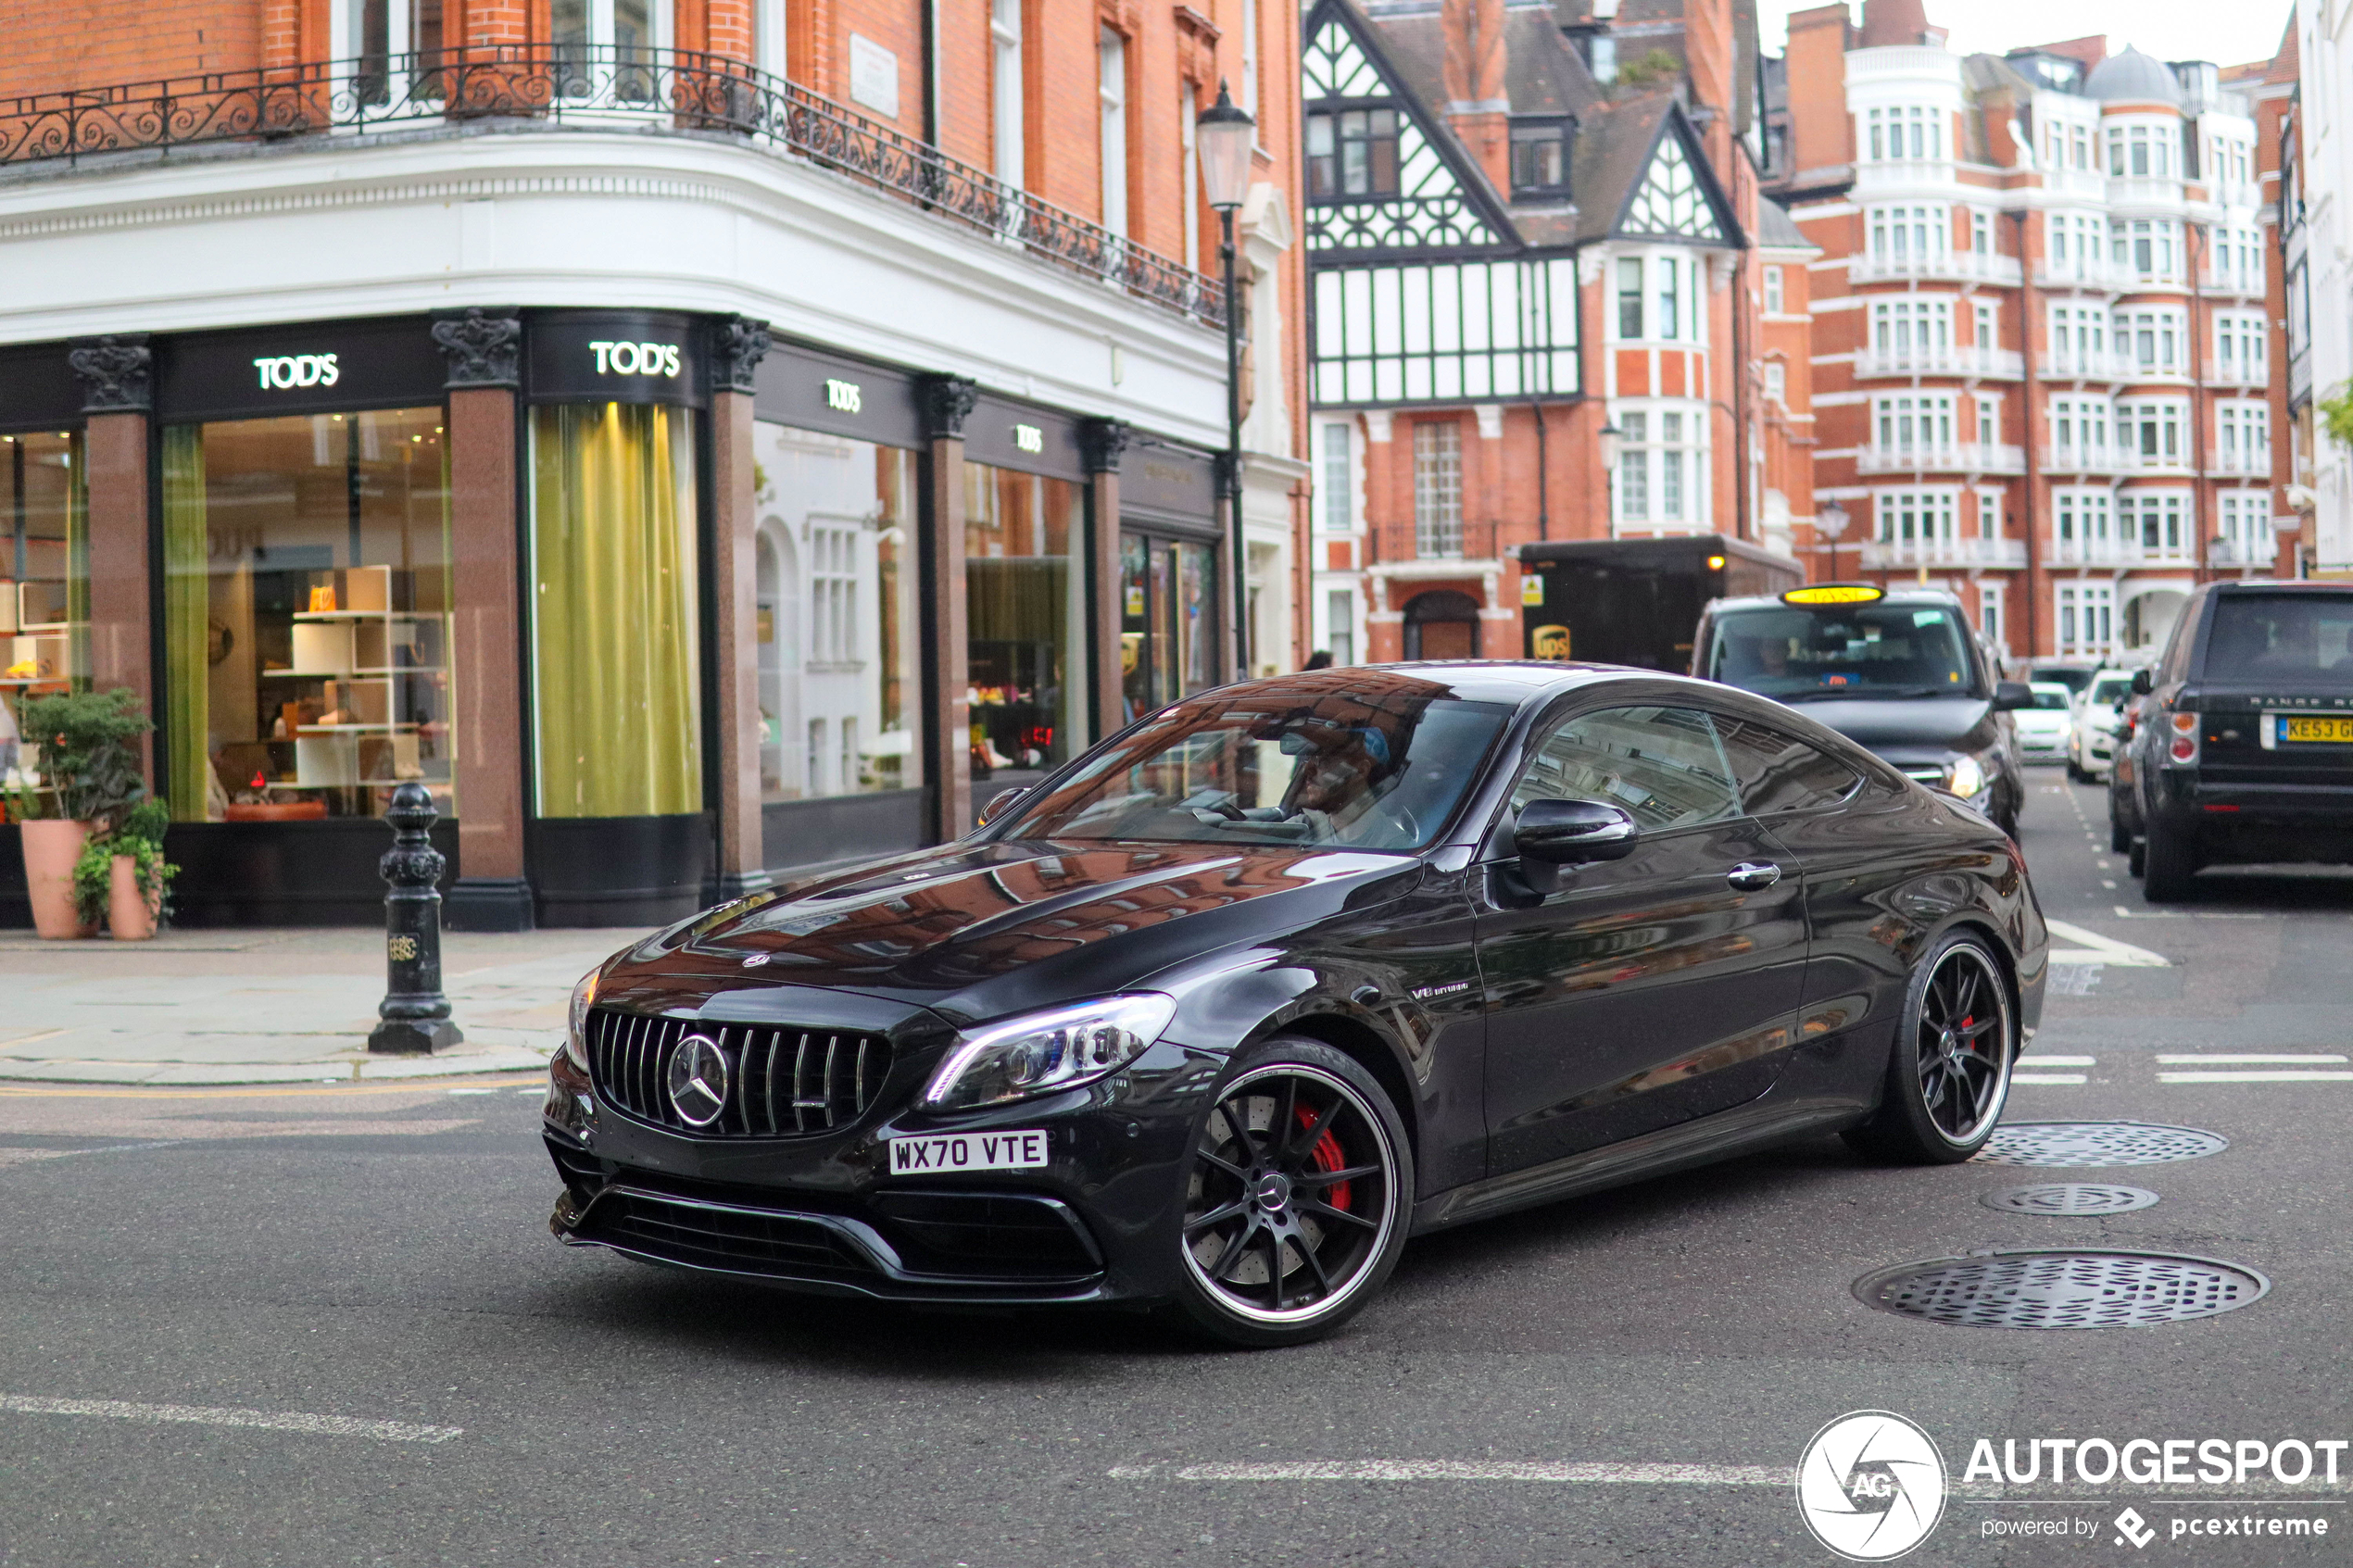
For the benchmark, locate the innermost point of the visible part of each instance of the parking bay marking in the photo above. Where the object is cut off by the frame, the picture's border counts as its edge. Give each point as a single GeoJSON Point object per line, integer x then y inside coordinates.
{"type": "Point", "coordinates": [2259, 1075]}
{"type": "Point", "coordinates": [2249, 1059]}
{"type": "Point", "coordinates": [2067, 1078]}
{"type": "Point", "coordinates": [1467, 1469]}
{"type": "Point", "coordinates": [202, 1415]}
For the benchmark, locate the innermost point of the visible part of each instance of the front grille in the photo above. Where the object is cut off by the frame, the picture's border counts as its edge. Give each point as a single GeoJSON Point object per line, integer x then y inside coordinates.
{"type": "Point", "coordinates": [742, 1239]}
{"type": "Point", "coordinates": [782, 1082]}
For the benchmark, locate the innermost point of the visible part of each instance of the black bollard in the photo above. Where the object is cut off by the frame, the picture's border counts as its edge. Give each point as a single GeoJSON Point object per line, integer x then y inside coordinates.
{"type": "Point", "coordinates": [415, 1014]}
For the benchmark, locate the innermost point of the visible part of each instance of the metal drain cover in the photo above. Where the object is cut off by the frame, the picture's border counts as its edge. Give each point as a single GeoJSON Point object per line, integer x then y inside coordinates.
{"type": "Point", "coordinates": [2097, 1143]}
{"type": "Point", "coordinates": [2061, 1290]}
{"type": "Point", "coordinates": [2070, 1197]}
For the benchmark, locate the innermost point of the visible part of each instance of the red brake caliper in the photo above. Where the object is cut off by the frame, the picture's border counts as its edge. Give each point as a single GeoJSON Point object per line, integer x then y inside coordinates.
{"type": "Point", "coordinates": [1327, 1156]}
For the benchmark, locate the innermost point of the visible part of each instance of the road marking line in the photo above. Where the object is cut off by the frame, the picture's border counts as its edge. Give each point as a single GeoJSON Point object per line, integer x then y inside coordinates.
{"type": "Point", "coordinates": [2049, 1078]}
{"type": "Point", "coordinates": [2093, 947]}
{"type": "Point", "coordinates": [1467, 1470]}
{"type": "Point", "coordinates": [2220, 1059]}
{"type": "Point", "coordinates": [2256, 1076]}
{"type": "Point", "coordinates": [317, 1425]}
{"type": "Point", "coordinates": [473, 1091]}
{"type": "Point", "coordinates": [2040, 1060]}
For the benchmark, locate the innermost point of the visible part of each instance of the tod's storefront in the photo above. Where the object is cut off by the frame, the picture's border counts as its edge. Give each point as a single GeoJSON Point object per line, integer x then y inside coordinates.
{"type": "Point", "coordinates": [658, 607]}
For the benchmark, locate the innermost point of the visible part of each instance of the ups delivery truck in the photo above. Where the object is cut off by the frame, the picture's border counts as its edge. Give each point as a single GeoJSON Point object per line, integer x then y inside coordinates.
{"type": "Point", "coordinates": [1635, 601]}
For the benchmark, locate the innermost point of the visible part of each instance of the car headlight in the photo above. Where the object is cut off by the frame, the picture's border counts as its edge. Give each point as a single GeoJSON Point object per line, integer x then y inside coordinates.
{"type": "Point", "coordinates": [1965, 776]}
{"type": "Point", "coordinates": [1038, 1053]}
{"type": "Point", "coordinates": [583, 996]}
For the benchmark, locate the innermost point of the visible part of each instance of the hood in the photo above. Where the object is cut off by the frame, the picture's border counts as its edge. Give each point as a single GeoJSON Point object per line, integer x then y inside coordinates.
{"type": "Point", "coordinates": [1890, 724]}
{"type": "Point", "coordinates": [977, 930]}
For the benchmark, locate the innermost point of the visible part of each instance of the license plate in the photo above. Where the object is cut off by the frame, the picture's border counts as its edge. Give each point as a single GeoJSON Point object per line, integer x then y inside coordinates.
{"type": "Point", "coordinates": [2326, 729]}
{"type": "Point", "coordinates": [1020, 1151]}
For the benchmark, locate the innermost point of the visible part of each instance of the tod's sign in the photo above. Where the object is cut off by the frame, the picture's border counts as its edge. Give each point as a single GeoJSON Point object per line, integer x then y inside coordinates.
{"type": "Point", "coordinates": [284, 371]}
{"type": "Point", "coordinates": [601, 356]}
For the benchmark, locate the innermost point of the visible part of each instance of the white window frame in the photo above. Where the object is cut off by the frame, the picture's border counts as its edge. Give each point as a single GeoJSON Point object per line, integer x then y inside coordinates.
{"type": "Point", "coordinates": [2085, 618]}
{"type": "Point", "coordinates": [1991, 503]}
{"type": "Point", "coordinates": [769, 49]}
{"type": "Point", "coordinates": [1008, 108]}
{"type": "Point", "coordinates": [1992, 616]}
{"type": "Point", "coordinates": [1910, 323]}
{"type": "Point", "coordinates": [1915, 421]}
{"type": "Point", "coordinates": [1337, 512]}
{"type": "Point", "coordinates": [1773, 289]}
{"type": "Point", "coordinates": [1662, 485]}
{"type": "Point", "coordinates": [1917, 515]}
{"type": "Point", "coordinates": [1910, 231]}
{"type": "Point", "coordinates": [1340, 621]}
{"type": "Point", "coordinates": [1188, 179]}
{"type": "Point", "coordinates": [1111, 92]}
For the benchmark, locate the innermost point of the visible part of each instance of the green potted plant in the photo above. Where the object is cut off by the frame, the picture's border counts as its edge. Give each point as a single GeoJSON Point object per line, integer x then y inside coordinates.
{"type": "Point", "coordinates": [88, 744]}
{"type": "Point", "coordinates": [122, 877]}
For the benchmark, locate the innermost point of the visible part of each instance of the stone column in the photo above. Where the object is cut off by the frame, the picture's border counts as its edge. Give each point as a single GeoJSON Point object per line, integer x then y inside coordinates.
{"type": "Point", "coordinates": [1101, 441]}
{"type": "Point", "coordinates": [116, 374]}
{"type": "Point", "coordinates": [487, 671]}
{"type": "Point", "coordinates": [738, 345]}
{"type": "Point", "coordinates": [947, 403]}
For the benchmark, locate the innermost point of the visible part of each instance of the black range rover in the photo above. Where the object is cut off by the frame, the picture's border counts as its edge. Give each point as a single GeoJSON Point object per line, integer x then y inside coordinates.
{"type": "Point", "coordinates": [2242, 747]}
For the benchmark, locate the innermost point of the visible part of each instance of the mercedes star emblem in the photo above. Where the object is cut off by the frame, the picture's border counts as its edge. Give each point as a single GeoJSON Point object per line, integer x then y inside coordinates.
{"type": "Point", "coordinates": [699, 1080]}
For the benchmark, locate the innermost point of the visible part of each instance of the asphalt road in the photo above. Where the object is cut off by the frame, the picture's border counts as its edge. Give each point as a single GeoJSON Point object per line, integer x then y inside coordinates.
{"type": "Point", "coordinates": [369, 1267]}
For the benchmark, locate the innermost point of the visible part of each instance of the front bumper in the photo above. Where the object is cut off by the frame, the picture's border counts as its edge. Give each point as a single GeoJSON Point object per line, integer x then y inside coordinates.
{"type": "Point", "coordinates": [822, 1215]}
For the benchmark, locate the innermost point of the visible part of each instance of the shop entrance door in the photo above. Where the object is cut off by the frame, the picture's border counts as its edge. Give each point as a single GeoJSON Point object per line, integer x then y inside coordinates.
{"type": "Point", "coordinates": [1169, 620]}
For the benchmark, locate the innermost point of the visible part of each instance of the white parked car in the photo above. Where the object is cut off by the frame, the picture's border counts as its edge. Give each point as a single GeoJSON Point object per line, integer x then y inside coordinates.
{"type": "Point", "coordinates": [2044, 729]}
{"type": "Point", "coordinates": [2098, 712]}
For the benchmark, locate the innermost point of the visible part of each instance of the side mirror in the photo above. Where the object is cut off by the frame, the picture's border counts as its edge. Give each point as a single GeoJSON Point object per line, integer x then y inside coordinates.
{"type": "Point", "coordinates": [1572, 833]}
{"type": "Point", "coordinates": [998, 804]}
{"type": "Point", "coordinates": [2011, 695]}
{"type": "Point", "coordinates": [2142, 684]}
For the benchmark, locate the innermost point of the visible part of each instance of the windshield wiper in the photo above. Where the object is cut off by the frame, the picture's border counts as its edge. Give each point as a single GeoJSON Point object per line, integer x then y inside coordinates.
{"type": "Point", "coordinates": [1835, 694]}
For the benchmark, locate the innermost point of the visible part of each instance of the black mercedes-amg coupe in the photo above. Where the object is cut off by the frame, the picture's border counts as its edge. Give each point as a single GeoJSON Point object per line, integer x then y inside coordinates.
{"type": "Point", "coordinates": [1217, 1016]}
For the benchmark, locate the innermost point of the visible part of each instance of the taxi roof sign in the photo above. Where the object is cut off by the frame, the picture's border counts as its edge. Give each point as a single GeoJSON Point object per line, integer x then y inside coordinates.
{"type": "Point", "coordinates": [1834, 594]}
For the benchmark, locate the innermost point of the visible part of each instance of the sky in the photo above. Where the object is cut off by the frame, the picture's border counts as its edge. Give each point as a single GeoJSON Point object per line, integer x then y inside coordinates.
{"type": "Point", "coordinates": [2226, 31]}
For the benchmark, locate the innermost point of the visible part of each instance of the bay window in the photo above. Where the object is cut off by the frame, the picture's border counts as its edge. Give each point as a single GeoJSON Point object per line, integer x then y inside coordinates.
{"type": "Point", "coordinates": [1662, 466]}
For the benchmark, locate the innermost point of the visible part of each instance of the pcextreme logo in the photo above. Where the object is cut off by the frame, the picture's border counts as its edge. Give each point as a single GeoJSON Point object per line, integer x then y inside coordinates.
{"type": "Point", "coordinates": [1871, 1486]}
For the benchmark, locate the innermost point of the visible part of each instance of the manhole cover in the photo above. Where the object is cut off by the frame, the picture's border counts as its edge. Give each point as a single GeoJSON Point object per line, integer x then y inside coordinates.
{"type": "Point", "coordinates": [2061, 1290]}
{"type": "Point", "coordinates": [2070, 1197]}
{"type": "Point", "coordinates": [2097, 1143]}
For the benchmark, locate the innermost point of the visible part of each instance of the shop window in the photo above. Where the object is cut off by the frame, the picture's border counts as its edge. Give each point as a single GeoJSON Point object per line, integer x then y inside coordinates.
{"type": "Point", "coordinates": [306, 601]}
{"type": "Point", "coordinates": [1169, 607]}
{"type": "Point", "coordinates": [1026, 621]}
{"type": "Point", "coordinates": [45, 577]}
{"type": "Point", "coordinates": [836, 629]}
{"type": "Point", "coordinates": [616, 674]}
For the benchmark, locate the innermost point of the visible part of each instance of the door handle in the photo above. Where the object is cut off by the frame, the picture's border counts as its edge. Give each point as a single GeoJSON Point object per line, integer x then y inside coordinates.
{"type": "Point", "coordinates": [1754, 875]}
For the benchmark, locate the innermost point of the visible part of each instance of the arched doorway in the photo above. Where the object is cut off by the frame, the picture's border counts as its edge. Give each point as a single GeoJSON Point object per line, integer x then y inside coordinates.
{"type": "Point", "coordinates": [1442, 624]}
{"type": "Point", "coordinates": [2149, 612]}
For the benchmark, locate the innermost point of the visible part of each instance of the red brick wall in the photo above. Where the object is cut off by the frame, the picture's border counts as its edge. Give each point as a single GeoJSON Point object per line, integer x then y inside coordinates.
{"type": "Point", "coordinates": [96, 42]}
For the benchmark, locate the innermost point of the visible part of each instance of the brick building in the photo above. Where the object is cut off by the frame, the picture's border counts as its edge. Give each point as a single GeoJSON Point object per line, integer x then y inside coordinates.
{"type": "Point", "coordinates": [1527, 225]}
{"type": "Point", "coordinates": [695, 438]}
{"type": "Point", "coordinates": [2047, 358]}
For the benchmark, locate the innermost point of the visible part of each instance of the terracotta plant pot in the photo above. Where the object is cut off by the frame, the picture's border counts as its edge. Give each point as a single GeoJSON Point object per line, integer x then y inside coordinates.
{"type": "Point", "coordinates": [50, 851]}
{"type": "Point", "coordinates": [131, 915]}
{"type": "Point", "coordinates": [280, 811]}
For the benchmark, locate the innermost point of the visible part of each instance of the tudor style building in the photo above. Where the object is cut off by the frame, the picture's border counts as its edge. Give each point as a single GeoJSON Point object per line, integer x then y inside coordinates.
{"type": "Point", "coordinates": [1512, 264]}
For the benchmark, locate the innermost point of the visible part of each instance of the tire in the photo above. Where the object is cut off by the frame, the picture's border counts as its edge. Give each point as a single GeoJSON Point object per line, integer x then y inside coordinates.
{"type": "Point", "coordinates": [1948, 1076]}
{"type": "Point", "coordinates": [2119, 840]}
{"type": "Point", "coordinates": [2168, 868]}
{"type": "Point", "coordinates": [2075, 773]}
{"type": "Point", "coordinates": [2136, 856]}
{"type": "Point", "coordinates": [1280, 1242]}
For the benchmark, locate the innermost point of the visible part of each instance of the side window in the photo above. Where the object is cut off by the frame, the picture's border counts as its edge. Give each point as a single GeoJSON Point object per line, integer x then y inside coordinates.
{"type": "Point", "coordinates": [2176, 663]}
{"type": "Point", "coordinates": [1778, 773]}
{"type": "Point", "coordinates": [1661, 764]}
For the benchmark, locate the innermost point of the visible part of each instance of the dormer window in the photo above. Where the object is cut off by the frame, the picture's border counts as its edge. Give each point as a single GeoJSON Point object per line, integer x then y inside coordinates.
{"type": "Point", "coordinates": [1540, 158]}
{"type": "Point", "coordinates": [1352, 153]}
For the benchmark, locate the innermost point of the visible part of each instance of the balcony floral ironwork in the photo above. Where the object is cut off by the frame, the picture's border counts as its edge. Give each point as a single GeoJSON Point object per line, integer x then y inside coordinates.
{"type": "Point", "coordinates": [601, 87]}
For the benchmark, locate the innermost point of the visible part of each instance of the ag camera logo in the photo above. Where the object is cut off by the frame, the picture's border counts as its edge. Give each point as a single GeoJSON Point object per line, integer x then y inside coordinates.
{"type": "Point", "coordinates": [1871, 1486]}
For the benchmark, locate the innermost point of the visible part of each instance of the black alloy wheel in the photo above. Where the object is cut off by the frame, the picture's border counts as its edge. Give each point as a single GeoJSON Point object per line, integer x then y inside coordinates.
{"type": "Point", "coordinates": [1950, 1074]}
{"type": "Point", "coordinates": [1296, 1198]}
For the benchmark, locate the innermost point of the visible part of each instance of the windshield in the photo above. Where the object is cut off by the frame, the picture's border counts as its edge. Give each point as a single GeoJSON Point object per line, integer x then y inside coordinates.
{"type": "Point", "coordinates": [2303, 640]}
{"type": "Point", "coordinates": [1344, 758]}
{"type": "Point", "coordinates": [2109, 690]}
{"type": "Point", "coordinates": [1803, 652]}
{"type": "Point", "coordinates": [2052, 698]}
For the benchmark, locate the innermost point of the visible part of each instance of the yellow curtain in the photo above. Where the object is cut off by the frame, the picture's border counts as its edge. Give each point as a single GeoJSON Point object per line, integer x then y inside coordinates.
{"type": "Point", "coordinates": [613, 611]}
{"type": "Point", "coordinates": [186, 614]}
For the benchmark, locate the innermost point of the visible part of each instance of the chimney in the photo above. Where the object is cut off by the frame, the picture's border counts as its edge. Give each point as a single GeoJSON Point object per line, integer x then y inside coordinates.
{"type": "Point", "coordinates": [1889, 22]}
{"type": "Point", "coordinates": [1820, 131]}
{"type": "Point", "coordinates": [1478, 106]}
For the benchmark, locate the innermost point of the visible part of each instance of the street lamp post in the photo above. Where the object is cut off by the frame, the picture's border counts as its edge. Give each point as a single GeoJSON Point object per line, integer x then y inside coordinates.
{"type": "Point", "coordinates": [1830, 523]}
{"type": "Point", "coordinates": [1223, 137]}
{"type": "Point", "coordinates": [1612, 438]}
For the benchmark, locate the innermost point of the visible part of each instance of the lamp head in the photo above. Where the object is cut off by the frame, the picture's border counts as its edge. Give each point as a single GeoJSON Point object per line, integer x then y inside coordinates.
{"type": "Point", "coordinates": [1223, 137]}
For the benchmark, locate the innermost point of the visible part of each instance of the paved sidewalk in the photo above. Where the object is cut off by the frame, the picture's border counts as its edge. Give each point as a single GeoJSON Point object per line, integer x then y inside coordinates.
{"type": "Point", "coordinates": [273, 1006]}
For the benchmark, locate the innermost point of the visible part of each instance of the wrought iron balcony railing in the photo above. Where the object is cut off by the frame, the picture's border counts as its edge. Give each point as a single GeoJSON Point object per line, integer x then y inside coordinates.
{"type": "Point", "coordinates": [602, 86]}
